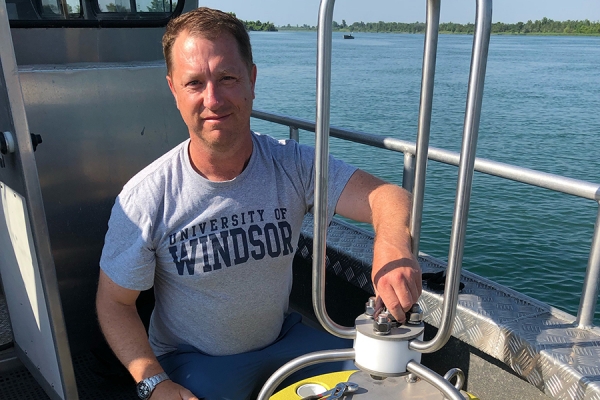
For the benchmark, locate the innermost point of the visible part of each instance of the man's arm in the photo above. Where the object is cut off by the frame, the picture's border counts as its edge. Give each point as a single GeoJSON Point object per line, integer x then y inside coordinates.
{"type": "Point", "coordinates": [396, 273]}
{"type": "Point", "coordinates": [127, 337]}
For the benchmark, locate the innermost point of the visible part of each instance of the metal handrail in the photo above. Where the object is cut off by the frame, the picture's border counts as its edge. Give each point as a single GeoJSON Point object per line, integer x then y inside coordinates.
{"type": "Point", "coordinates": [424, 126]}
{"type": "Point", "coordinates": [589, 295]}
{"type": "Point", "coordinates": [556, 183]}
{"type": "Point", "coordinates": [322, 171]}
{"type": "Point", "coordinates": [448, 390]}
{"type": "Point", "coordinates": [481, 41]}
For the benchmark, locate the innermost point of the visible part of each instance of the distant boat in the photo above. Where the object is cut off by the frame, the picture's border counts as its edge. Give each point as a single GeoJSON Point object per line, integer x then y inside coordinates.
{"type": "Point", "coordinates": [348, 36]}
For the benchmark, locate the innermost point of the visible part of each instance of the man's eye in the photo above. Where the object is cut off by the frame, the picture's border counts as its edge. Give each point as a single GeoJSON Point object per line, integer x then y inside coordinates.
{"type": "Point", "coordinates": [228, 78]}
{"type": "Point", "coordinates": [192, 83]}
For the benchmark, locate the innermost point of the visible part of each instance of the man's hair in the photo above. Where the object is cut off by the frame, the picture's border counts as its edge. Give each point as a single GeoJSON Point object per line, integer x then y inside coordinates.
{"type": "Point", "coordinates": [209, 24]}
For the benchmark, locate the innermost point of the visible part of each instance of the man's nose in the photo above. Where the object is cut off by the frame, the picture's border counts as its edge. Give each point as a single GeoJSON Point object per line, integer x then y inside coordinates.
{"type": "Point", "coordinates": [212, 96]}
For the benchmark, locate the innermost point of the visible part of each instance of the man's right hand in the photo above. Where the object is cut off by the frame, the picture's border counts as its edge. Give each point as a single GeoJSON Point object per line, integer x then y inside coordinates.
{"type": "Point", "coordinates": [169, 390]}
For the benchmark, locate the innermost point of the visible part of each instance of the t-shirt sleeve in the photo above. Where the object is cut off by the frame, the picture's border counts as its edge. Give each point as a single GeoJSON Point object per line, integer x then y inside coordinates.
{"type": "Point", "coordinates": [128, 257]}
{"type": "Point", "coordinates": [339, 175]}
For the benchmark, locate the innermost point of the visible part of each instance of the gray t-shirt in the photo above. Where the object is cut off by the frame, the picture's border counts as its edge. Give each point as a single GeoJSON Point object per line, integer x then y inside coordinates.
{"type": "Point", "coordinates": [219, 254]}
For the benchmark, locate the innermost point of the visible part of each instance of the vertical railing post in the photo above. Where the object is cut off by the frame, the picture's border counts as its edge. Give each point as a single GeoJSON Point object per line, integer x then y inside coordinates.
{"type": "Point", "coordinates": [481, 41]}
{"type": "Point", "coordinates": [589, 295]}
{"type": "Point", "coordinates": [408, 174]}
{"type": "Point", "coordinates": [294, 134]}
{"type": "Point", "coordinates": [324, 35]}
{"type": "Point", "coordinates": [427, 80]}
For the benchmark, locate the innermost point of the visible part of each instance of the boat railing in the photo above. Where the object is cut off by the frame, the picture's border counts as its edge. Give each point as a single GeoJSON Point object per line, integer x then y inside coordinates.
{"type": "Point", "coordinates": [557, 183]}
{"type": "Point", "coordinates": [481, 39]}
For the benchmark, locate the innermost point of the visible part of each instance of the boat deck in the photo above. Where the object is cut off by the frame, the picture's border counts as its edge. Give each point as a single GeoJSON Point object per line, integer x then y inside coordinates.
{"type": "Point", "coordinates": [539, 343]}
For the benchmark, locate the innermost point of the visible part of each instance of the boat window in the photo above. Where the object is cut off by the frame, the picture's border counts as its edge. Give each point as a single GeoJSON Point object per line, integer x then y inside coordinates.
{"type": "Point", "coordinates": [53, 9]}
{"type": "Point", "coordinates": [66, 13]}
{"type": "Point", "coordinates": [115, 6]}
{"type": "Point", "coordinates": [125, 6]}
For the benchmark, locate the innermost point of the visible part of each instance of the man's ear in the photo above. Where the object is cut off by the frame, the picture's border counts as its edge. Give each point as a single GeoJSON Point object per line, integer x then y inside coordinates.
{"type": "Point", "coordinates": [170, 82]}
{"type": "Point", "coordinates": [253, 79]}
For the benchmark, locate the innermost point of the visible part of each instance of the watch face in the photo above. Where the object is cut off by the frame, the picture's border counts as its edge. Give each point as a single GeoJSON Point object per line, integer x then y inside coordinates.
{"type": "Point", "coordinates": [143, 390]}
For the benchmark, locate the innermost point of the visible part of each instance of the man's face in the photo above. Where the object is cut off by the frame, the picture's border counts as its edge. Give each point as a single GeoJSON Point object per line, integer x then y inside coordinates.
{"type": "Point", "coordinates": [213, 89]}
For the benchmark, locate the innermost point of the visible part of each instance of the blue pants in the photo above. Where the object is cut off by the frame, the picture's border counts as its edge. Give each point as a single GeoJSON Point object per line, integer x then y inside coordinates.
{"type": "Point", "coordinates": [241, 376]}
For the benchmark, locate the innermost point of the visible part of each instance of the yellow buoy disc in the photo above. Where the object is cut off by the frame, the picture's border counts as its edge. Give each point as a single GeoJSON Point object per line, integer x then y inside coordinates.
{"type": "Point", "coordinates": [322, 383]}
{"type": "Point", "coordinates": [314, 385]}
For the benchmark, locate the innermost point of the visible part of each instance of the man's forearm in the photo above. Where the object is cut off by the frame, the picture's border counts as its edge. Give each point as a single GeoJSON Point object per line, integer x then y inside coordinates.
{"type": "Point", "coordinates": [396, 272]}
{"type": "Point", "coordinates": [127, 337]}
{"type": "Point", "coordinates": [390, 208]}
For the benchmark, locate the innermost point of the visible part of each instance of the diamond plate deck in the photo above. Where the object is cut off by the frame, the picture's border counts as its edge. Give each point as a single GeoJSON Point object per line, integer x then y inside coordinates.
{"type": "Point", "coordinates": [538, 342]}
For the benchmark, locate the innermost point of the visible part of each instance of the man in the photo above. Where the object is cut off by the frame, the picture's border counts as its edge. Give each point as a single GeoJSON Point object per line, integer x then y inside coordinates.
{"type": "Point", "coordinates": [213, 226]}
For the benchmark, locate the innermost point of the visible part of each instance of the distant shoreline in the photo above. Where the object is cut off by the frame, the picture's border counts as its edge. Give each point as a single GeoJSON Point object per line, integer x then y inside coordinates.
{"type": "Point", "coordinates": [285, 29]}
{"type": "Point", "coordinates": [543, 27]}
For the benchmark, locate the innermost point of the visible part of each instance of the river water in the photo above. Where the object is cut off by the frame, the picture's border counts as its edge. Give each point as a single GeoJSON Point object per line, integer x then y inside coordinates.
{"type": "Point", "coordinates": [541, 110]}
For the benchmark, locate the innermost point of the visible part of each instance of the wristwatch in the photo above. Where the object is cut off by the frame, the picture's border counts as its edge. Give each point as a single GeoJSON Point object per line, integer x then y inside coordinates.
{"type": "Point", "coordinates": [145, 387]}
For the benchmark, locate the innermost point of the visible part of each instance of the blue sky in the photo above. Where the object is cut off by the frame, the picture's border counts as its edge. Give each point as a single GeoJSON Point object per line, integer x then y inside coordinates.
{"type": "Point", "coordinates": [283, 12]}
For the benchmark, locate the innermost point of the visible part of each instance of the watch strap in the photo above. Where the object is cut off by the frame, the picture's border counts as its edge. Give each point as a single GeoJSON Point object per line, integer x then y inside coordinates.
{"type": "Point", "coordinates": [151, 383]}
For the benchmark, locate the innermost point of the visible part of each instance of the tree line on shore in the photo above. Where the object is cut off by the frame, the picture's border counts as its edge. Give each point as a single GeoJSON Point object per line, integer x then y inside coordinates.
{"type": "Point", "coordinates": [257, 25]}
{"type": "Point", "coordinates": [260, 26]}
{"type": "Point", "coordinates": [543, 26]}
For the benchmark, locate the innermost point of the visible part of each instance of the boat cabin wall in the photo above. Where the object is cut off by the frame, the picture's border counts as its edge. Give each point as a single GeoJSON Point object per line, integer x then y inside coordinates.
{"type": "Point", "coordinates": [35, 46]}
{"type": "Point", "coordinates": [100, 101]}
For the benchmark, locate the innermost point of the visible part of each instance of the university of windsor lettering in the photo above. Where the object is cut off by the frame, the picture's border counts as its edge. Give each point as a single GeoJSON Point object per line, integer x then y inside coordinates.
{"type": "Point", "coordinates": [234, 220]}
{"type": "Point", "coordinates": [231, 246]}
